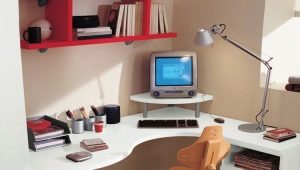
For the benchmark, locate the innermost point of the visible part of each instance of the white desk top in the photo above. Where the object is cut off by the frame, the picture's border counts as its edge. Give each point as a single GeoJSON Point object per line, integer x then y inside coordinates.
{"type": "Point", "coordinates": [146, 98]}
{"type": "Point", "coordinates": [123, 137]}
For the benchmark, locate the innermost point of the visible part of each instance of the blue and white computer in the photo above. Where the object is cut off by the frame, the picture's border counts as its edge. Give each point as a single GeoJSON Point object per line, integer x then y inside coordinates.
{"type": "Point", "coordinates": [173, 74]}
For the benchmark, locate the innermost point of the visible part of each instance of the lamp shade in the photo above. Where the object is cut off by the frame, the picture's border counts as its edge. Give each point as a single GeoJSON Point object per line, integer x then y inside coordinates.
{"type": "Point", "coordinates": [203, 37]}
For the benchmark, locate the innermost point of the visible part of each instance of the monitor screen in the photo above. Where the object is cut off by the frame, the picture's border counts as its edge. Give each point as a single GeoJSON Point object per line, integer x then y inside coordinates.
{"type": "Point", "coordinates": [174, 71]}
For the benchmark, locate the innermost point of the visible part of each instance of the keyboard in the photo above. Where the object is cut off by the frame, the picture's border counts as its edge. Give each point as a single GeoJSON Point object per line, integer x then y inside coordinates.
{"type": "Point", "coordinates": [168, 123]}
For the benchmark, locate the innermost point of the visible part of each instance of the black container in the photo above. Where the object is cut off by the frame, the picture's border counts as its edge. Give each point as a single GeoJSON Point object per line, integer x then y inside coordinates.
{"type": "Point", "coordinates": [112, 113]}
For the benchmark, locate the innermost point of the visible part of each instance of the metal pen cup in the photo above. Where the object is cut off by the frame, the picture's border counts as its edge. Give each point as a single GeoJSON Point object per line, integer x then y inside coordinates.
{"type": "Point", "coordinates": [89, 123]}
{"type": "Point", "coordinates": [102, 118]}
{"type": "Point", "coordinates": [77, 126]}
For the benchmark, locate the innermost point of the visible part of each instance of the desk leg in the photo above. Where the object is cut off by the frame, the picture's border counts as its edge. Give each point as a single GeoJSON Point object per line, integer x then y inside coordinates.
{"type": "Point", "coordinates": [145, 110]}
{"type": "Point", "coordinates": [197, 110]}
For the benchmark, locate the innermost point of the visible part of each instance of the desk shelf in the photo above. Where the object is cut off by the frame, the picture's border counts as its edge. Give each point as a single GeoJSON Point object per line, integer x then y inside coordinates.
{"type": "Point", "coordinates": [123, 137]}
{"type": "Point", "coordinates": [146, 98]}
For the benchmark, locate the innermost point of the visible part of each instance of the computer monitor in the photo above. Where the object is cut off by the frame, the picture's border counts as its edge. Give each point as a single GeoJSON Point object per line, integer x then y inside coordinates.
{"type": "Point", "coordinates": [173, 74]}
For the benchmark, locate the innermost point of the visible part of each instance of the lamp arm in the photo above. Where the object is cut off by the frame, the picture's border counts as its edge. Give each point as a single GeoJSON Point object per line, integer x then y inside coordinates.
{"type": "Point", "coordinates": [266, 63]}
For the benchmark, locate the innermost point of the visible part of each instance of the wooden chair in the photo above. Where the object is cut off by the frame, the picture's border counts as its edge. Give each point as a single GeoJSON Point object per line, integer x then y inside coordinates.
{"type": "Point", "coordinates": [206, 153]}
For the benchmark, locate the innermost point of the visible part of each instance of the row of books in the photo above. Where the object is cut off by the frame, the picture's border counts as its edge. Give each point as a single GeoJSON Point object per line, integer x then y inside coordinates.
{"type": "Point", "coordinates": [158, 19]}
{"type": "Point", "coordinates": [279, 135]}
{"type": "Point", "coordinates": [254, 160]}
{"type": "Point", "coordinates": [126, 19]}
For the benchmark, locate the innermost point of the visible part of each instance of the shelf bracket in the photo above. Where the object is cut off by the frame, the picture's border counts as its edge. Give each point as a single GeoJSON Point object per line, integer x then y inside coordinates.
{"type": "Point", "coordinates": [128, 42]}
{"type": "Point", "coordinates": [43, 50]}
{"type": "Point", "coordinates": [42, 3]}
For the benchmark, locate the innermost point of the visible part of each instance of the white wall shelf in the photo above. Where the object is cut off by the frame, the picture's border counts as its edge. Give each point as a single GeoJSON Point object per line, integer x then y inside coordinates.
{"type": "Point", "coordinates": [146, 99]}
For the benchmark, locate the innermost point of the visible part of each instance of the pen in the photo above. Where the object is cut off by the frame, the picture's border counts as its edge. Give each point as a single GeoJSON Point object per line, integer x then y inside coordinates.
{"type": "Point", "coordinates": [95, 110]}
{"type": "Point", "coordinates": [83, 113]}
{"type": "Point", "coordinates": [70, 114]}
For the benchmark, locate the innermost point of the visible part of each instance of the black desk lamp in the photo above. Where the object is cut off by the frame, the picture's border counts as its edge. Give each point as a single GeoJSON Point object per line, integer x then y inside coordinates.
{"type": "Point", "coordinates": [204, 37]}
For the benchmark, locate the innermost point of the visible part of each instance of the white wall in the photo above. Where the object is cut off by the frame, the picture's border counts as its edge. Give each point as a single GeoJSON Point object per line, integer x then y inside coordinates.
{"type": "Point", "coordinates": [297, 5]}
{"type": "Point", "coordinates": [13, 143]}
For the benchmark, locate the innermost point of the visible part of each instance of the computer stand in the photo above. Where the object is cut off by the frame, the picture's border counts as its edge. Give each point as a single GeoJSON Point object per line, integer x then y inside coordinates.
{"type": "Point", "coordinates": [147, 99]}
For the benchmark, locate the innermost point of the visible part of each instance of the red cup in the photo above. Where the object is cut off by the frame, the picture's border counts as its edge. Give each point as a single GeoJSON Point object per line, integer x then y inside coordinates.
{"type": "Point", "coordinates": [98, 126]}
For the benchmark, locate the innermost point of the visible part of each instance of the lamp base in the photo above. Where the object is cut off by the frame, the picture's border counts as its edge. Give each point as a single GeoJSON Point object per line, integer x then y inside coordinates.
{"type": "Point", "coordinates": [251, 128]}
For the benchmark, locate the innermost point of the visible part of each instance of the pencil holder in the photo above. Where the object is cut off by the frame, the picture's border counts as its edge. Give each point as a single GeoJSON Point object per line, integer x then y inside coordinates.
{"type": "Point", "coordinates": [89, 123]}
{"type": "Point", "coordinates": [102, 118]}
{"type": "Point", "coordinates": [77, 126]}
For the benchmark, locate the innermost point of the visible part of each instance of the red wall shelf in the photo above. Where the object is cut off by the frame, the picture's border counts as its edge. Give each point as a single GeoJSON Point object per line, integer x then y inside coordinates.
{"type": "Point", "coordinates": [59, 14]}
{"type": "Point", "coordinates": [57, 43]}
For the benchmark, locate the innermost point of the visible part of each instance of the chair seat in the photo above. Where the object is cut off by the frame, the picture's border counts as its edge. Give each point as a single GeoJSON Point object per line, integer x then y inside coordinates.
{"type": "Point", "coordinates": [180, 168]}
{"type": "Point", "coordinates": [204, 154]}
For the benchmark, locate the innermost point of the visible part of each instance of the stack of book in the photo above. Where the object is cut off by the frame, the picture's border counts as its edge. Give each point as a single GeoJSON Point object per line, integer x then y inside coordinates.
{"type": "Point", "coordinates": [279, 135]}
{"type": "Point", "coordinates": [47, 132]}
{"type": "Point", "coordinates": [293, 84]}
{"type": "Point", "coordinates": [93, 145]}
{"type": "Point", "coordinates": [94, 32]}
{"type": "Point", "coordinates": [158, 19]}
{"type": "Point", "coordinates": [254, 160]}
{"type": "Point", "coordinates": [125, 19]}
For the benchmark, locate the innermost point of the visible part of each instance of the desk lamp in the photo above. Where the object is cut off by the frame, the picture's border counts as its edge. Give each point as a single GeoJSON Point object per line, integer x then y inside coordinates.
{"type": "Point", "coordinates": [204, 37]}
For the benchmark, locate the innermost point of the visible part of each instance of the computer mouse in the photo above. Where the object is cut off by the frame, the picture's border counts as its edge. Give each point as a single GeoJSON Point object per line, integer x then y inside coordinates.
{"type": "Point", "coordinates": [219, 120]}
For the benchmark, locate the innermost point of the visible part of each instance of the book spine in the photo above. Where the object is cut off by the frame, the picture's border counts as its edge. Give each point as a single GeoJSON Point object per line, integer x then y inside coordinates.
{"type": "Point", "coordinates": [120, 17]}
{"type": "Point", "coordinates": [125, 20]}
{"type": "Point", "coordinates": [165, 19]}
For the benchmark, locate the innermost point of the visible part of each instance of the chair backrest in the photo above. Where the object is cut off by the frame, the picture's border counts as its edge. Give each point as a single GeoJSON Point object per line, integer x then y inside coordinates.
{"type": "Point", "coordinates": [207, 152]}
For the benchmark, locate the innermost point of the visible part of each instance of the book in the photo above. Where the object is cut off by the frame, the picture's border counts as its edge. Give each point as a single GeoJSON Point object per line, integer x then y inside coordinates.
{"type": "Point", "coordinates": [103, 13]}
{"type": "Point", "coordinates": [129, 20]}
{"type": "Point", "coordinates": [251, 159]}
{"type": "Point", "coordinates": [285, 136]}
{"type": "Point", "coordinates": [139, 18]}
{"type": "Point", "coordinates": [49, 143]}
{"type": "Point", "coordinates": [279, 140]}
{"type": "Point", "coordinates": [113, 17]}
{"type": "Point", "coordinates": [165, 19]}
{"type": "Point", "coordinates": [125, 18]}
{"type": "Point", "coordinates": [94, 36]}
{"type": "Point", "coordinates": [120, 18]}
{"type": "Point", "coordinates": [279, 132]}
{"type": "Point", "coordinates": [94, 141]}
{"type": "Point", "coordinates": [39, 124]}
{"type": "Point", "coordinates": [155, 19]}
{"type": "Point", "coordinates": [133, 19]}
{"type": "Point", "coordinates": [109, 32]}
{"type": "Point", "coordinates": [94, 29]}
{"type": "Point", "coordinates": [93, 145]}
{"type": "Point", "coordinates": [161, 19]}
{"type": "Point", "coordinates": [93, 148]}
{"type": "Point", "coordinates": [48, 132]}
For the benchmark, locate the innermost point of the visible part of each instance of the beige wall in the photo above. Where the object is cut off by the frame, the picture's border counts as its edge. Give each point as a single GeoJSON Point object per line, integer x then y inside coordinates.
{"type": "Point", "coordinates": [224, 71]}
{"type": "Point", "coordinates": [276, 13]}
{"type": "Point", "coordinates": [70, 77]}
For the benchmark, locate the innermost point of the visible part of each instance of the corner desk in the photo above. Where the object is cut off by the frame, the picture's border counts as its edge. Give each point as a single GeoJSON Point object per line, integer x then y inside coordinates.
{"type": "Point", "coordinates": [124, 136]}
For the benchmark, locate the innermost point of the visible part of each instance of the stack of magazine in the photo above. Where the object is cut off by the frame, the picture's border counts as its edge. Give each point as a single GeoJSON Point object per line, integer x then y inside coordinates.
{"type": "Point", "coordinates": [94, 32]}
{"type": "Point", "coordinates": [47, 132]}
{"type": "Point", "coordinates": [279, 135]}
{"type": "Point", "coordinates": [92, 145]}
{"type": "Point", "coordinates": [254, 160]}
